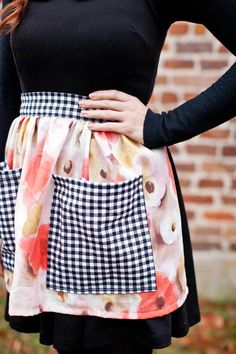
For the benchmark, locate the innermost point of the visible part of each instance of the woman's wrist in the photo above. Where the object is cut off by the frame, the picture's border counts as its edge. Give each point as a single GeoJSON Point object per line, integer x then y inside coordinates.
{"type": "Point", "coordinates": [152, 130]}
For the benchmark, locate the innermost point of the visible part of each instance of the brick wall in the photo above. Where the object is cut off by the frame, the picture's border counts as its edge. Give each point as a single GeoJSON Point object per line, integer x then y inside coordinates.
{"type": "Point", "coordinates": [192, 59]}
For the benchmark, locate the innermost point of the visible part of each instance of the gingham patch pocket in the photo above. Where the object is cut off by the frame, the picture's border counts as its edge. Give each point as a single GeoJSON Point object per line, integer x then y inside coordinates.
{"type": "Point", "coordinates": [99, 240]}
{"type": "Point", "coordinates": [9, 182]}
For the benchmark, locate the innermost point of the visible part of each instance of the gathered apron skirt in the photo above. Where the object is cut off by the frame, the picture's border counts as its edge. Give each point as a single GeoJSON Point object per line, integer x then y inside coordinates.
{"type": "Point", "coordinates": [90, 221]}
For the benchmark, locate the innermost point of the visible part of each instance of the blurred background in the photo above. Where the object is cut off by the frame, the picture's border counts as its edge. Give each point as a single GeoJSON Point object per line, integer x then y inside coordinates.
{"type": "Point", "coordinates": [191, 60]}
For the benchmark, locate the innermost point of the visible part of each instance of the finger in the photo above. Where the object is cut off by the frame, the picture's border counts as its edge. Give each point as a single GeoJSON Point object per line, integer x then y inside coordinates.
{"type": "Point", "coordinates": [108, 127]}
{"type": "Point", "coordinates": [103, 104]}
{"type": "Point", "coordinates": [110, 94]}
{"type": "Point", "coordinates": [102, 114]}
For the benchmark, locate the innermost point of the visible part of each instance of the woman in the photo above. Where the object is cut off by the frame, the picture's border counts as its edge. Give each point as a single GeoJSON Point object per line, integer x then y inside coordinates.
{"type": "Point", "coordinates": [90, 283]}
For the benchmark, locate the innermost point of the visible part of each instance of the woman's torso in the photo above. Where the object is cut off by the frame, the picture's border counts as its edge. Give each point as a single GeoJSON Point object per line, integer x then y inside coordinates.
{"type": "Point", "coordinates": [83, 46]}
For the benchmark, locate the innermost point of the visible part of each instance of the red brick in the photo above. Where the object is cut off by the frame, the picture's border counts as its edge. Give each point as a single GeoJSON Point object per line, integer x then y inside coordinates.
{"type": "Point", "coordinates": [230, 232]}
{"type": "Point", "coordinates": [198, 81]}
{"type": "Point", "coordinates": [217, 167]}
{"type": "Point", "coordinates": [200, 29]}
{"type": "Point", "coordinates": [204, 246]}
{"type": "Point", "coordinates": [201, 149]}
{"type": "Point", "coordinates": [179, 28]}
{"type": "Point", "coordinates": [185, 167]}
{"type": "Point", "coordinates": [153, 98]}
{"type": "Point", "coordinates": [161, 80]}
{"type": "Point", "coordinates": [174, 149]}
{"type": "Point", "coordinates": [228, 200]}
{"type": "Point", "coordinates": [184, 182]}
{"type": "Point", "coordinates": [229, 150]}
{"type": "Point", "coordinates": [219, 215]}
{"type": "Point", "coordinates": [216, 134]}
{"type": "Point", "coordinates": [178, 64]}
{"type": "Point", "coordinates": [189, 95]}
{"type": "Point", "coordinates": [193, 47]}
{"type": "Point", "coordinates": [233, 247]}
{"type": "Point", "coordinates": [169, 97]}
{"type": "Point", "coordinates": [198, 199]}
{"type": "Point", "coordinates": [165, 46]}
{"type": "Point", "coordinates": [210, 183]}
{"type": "Point", "coordinates": [190, 214]}
{"type": "Point", "coordinates": [213, 64]}
{"type": "Point", "coordinates": [234, 184]}
{"type": "Point", "coordinates": [207, 230]}
{"type": "Point", "coordinates": [223, 49]}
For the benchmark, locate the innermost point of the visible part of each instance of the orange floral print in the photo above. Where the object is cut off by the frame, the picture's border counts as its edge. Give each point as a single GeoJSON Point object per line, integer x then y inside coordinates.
{"type": "Point", "coordinates": [35, 248]}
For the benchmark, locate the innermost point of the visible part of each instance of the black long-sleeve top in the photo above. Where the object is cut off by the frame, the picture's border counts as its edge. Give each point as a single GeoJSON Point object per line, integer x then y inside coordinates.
{"type": "Point", "coordinates": [81, 46]}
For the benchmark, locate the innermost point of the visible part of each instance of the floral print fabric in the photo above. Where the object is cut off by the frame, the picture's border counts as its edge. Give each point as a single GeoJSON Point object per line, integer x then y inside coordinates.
{"type": "Point", "coordinates": [41, 146]}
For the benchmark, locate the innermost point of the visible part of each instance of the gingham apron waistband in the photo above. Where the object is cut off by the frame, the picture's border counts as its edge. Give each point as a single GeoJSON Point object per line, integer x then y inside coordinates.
{"type": "Point", "coordinates": [55, 104]}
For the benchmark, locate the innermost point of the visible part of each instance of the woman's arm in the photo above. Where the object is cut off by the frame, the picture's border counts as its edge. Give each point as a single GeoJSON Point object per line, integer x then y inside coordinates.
{"type": "Point", "coordinates": [217, 103]}
{"type": "Point", "coordinates": [10, 89]}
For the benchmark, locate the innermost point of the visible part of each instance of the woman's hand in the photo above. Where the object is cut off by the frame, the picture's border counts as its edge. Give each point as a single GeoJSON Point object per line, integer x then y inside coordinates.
{"type": "Point", "coordinates": [127, 112]}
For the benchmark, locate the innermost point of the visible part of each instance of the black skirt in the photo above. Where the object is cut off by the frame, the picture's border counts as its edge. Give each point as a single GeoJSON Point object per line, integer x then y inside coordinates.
{"type": "Point", "coordinates": [74, 332]}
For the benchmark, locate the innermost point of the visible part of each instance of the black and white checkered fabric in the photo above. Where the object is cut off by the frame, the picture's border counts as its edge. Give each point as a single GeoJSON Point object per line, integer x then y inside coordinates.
{"type": "Point", "coordinates": [56, 104]}
{"type": "Point", "coordinates": [99, 241]}
{"type": "Point", "coordinates": [9, 183]}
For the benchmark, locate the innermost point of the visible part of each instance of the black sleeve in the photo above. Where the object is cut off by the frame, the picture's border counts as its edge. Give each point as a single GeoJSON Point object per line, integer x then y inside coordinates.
{"type": "Point", "coordinates": [217, 103]}
{"type": "Point", "coordinates": [10, 89]}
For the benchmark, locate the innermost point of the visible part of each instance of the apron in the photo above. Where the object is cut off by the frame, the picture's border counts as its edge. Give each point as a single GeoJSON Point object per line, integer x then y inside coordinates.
{"type": "Point", "coordinates": [89, 221]}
